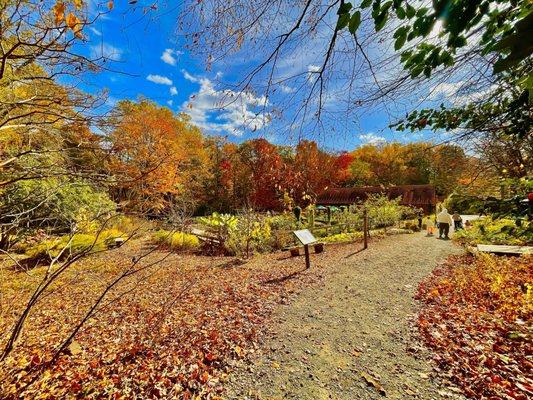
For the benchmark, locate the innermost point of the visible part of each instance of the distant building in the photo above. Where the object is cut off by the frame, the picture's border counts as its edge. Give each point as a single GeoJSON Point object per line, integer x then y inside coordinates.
{"type": "Point", "coordinates": [419, 196]}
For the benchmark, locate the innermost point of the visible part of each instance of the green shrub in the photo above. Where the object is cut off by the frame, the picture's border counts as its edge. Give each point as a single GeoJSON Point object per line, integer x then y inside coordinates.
{"type": "Point", "coordinates": [464, 204]}
{"type": "Point", "coordinates": [499, 231]}
{"type": "Point", "coordinates": [65, 246]}
{"type": "Point", "coordinates": [383, 212]}
{"type": "Point", "coordinates": [109, 236]}
{"type": "Point", "coordinates": [58, 201]}
{"type": "Point", "coordinates": [283, 221]}
{"type": "Point", "coordinates": [220, 224]}
{"type": "Point", "coordinates": [176, 241]}
{"type": "Point", "coordinates": [351, 216]}
{"type": "Point", "coordinates": [127, 224]}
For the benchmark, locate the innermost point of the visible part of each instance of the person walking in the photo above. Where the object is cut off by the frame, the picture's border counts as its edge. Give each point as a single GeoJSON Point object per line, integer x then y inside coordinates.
{"type": "Point", "coordinates": [420, 216]}
{"type": "Point", "coordinates": [457, 221]}
{"type": "Point", "coordinates": [444, 220]}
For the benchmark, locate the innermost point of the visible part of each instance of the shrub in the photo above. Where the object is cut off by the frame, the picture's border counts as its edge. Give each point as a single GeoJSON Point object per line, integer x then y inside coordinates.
{"type": "Point", "coordinates": [59, 202]}
{"type": "Point", "coordinates": [176, 241]}
{"type": "Point", "coordinates": [412, 225]}
{"type": "Point", "coordinates": [220, 224]}
{"type": "Point", "coordinates": [251, 234]}
{"type": "Point", "coordinates": [283, 221]}
{"type": "Point", "coordinates": [109, 236]}
{"type": "Point", "coordinates": [383, 212]}
{"type": "Point", "coordinates": [67, 246]}
{"type": "Point", "coordinates": [500, 231]}
{"type": "Point", "coordinates": [127, 224]}
{"type": "Point", "coordinates": [343, 237]}
{"type": "Point", "coordinates": [351, 216]}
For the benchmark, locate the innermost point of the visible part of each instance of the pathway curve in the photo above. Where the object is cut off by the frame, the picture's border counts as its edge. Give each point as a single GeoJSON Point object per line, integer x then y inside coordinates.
{"type": "Point", "coordinates": [352, 337]}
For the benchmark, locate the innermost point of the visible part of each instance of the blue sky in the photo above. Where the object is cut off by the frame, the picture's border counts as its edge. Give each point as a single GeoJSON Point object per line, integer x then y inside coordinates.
{"type": "Point", "coordinates": [149, 59]}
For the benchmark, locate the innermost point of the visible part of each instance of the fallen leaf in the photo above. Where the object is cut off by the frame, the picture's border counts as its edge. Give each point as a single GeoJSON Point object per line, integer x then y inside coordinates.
{"type": "Point", "coordinates": [75, 348]}
{"type": "Point", "coordinates": [374, 382]}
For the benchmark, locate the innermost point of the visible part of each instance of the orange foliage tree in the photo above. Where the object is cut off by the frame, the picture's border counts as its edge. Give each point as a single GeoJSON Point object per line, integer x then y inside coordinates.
{"type": "Point", "coordinates": [155, 156]}
{"type": "Point", "coordinates": [315, 170]}
{"type": "Point", "coordinates": [407, 164]}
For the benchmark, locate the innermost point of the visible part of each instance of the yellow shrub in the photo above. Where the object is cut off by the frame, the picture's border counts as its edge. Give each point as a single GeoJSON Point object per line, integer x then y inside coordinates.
{"type": "Point", "coordinates": [176, 240]}
{"type": "Point", "coordinates": [67, 245]}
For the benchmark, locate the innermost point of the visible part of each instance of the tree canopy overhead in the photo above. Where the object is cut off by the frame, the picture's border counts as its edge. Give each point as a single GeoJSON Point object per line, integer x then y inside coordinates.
{"type": "Point", "coordinates": [393, 55]}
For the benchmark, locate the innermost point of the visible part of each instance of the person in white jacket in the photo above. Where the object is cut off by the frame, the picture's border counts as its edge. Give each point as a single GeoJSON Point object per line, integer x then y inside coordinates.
{"type": "Point", "coordinates": [444, 220]}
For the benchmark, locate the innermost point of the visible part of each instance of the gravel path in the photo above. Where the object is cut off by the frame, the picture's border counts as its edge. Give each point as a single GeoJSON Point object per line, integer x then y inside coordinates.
{"type": "Point", "coordinates": [352, 337]}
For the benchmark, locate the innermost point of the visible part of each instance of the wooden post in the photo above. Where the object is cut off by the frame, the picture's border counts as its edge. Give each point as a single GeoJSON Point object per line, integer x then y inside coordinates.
{"type": "Point", "coordinates": [365, 229]}
{"type": "Point", "coordinates": [307, 261]}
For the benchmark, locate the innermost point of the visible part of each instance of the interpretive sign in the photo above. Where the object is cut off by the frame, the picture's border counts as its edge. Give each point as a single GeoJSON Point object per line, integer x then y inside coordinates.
{"type": "Point", "coordinates": [305, 237]}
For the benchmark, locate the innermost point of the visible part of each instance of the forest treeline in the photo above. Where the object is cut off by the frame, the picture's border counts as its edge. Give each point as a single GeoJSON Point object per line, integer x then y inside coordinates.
{"type": "Point", "coordinates": [145, 158]}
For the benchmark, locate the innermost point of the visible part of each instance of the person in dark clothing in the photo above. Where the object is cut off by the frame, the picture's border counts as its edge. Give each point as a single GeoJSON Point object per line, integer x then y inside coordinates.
{"type": "Point", "coordinates": [457, 221]}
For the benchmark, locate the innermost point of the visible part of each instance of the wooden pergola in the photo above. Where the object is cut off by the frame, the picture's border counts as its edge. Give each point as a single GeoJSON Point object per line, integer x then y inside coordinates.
{"type": "Point", "coordinates": [419, 196]}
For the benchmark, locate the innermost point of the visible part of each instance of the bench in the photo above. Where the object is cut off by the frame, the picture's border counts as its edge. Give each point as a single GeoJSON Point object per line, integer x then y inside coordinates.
{"type": "Point", "coordinates": [211, 241]}
{"type": "Point", "coordinates": [504, 249]}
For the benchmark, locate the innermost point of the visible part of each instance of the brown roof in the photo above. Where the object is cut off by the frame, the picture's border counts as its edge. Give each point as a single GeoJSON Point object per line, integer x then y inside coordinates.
{"type": "Point", "coordinates": [413, 195]}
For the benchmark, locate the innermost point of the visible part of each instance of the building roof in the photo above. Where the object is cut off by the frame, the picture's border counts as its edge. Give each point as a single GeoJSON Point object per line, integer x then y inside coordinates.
{"type": "Point", "coordinates": [413, 195]}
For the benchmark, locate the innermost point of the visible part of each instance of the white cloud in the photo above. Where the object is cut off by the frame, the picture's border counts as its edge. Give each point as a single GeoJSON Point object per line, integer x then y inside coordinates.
{"type": "Point", "coordinates": [458, 93]}
{"type": "Point", "coordinates": [104, 50]}
{"type": "Point", "coordinates": [444, 89]}
{"type": "Point", "coordinates": [169, 56]}
{"type": "Point", "coordinates": [189, 77]}
{"type": "Point", "coordinates": [371, 138]}
{"type": "Point", "coordinates": [173, 91]}
{"type": "Point", "coordinates": [225, 110]}
{"type": "Point", "coordinates": [170, 102]}
{"type": "Point", "coordinates": [463, 97]}
{"type": "Point", "coordinates": [160, 80]}
{"type": "Point", "coordinates": [287, 89]}
{"type": "Point", "coordinates": [95, 31]}
{"type": "Point", "coordinates": [312, 71]}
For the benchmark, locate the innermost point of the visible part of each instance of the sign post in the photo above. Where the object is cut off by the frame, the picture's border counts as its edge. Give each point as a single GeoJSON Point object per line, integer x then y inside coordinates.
{"type": "Point", "coordinates": [306, 238]}
{"type": "Point", "coordinates": [307, 260]}
{"type": "Point", "coordinates": [365, 228]}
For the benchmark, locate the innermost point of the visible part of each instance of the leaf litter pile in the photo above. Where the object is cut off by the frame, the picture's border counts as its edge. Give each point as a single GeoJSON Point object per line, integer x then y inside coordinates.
{"type": "Point", "coordinates": [476, 317]}
{"type": "Point", "coordinates": [173, 331]}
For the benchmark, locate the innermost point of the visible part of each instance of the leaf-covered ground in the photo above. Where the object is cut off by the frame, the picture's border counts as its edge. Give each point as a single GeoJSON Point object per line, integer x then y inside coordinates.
{"type": "Point", "coordinates": [171, 331]}
{"type": "Point", "coordinates": [477, 319]}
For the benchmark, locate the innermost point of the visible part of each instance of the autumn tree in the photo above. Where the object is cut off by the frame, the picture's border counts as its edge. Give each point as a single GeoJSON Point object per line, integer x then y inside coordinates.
{"type": "Point", "coordinates": [217, 183]}
{"type": "Point", "coordinates": [314, 171]}
{"type": "Point", "coordinates": [155, 155]}
{"type": "Point", "coordinates": [342, 165]}
{"type": "Point", "coordinates": [263, 161]}
{"type": "Point", "coordinates": [444, 166]}
{"type": "Point", "coordinates": [40, 119]}
{"type": "Point", "coordinates": [37, 47]}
